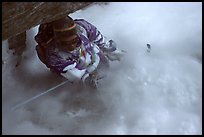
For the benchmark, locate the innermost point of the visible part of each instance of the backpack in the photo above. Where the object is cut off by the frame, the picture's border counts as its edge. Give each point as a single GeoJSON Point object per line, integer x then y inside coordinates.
{"type": "Point", "coordinates": [43, 38]}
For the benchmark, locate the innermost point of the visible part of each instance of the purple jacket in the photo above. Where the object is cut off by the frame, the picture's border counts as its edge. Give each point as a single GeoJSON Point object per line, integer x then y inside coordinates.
{"type": "Point", "coordinates": [89, 36]}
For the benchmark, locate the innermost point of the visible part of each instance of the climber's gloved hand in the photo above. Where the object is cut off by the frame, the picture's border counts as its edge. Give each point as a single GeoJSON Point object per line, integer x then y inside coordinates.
{"type": "Point", "coordinates": [92, 80]}
{"type": "Point", "coordinates": [72, 73]}
{"type": "Point", "coordinates": [115, 55]}
{"type": "Point", "coordinates": [112, 52]}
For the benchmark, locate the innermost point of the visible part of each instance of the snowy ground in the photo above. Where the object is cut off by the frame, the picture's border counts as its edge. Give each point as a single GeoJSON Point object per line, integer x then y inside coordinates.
{"type": "Point", "coordinates": [146, 93]}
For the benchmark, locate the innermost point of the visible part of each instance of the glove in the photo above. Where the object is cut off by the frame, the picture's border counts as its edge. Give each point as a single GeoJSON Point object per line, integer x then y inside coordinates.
{"type": "Point", "coordinates": [92, 80]}
{"type": "Point", "coordinates": [109, 46]}
{"type": "Point", "coordinates": [73, 74]}
{"type": "Point", "coordinates": [115, 55]}
{"type": "Point", "coordinates": [111, 51]}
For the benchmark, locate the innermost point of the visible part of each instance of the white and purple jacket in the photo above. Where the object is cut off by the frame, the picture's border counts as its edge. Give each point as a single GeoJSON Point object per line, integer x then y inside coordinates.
{"type": "Point", "coordinates": [78, 64]}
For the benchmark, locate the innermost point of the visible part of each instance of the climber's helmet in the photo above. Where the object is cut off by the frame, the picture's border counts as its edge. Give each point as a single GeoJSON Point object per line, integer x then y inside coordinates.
{"type": "Point", "coordinates": [65, 33]}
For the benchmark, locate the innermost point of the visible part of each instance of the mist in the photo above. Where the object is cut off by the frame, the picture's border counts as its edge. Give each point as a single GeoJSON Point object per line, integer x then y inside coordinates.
{"type": "Point", "coordinates": [156, 92]}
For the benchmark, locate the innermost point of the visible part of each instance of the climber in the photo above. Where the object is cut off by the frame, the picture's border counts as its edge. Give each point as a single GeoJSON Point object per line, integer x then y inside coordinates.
{"type": "Point", "coordinates": [75, 49]}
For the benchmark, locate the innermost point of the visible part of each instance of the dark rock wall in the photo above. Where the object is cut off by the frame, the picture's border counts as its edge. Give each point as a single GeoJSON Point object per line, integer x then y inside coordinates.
{"type": "Point", "coordinates": [18, 17]}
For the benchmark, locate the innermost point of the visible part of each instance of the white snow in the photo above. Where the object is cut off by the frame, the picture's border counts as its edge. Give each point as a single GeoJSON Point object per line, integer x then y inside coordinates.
{"type": "Point", "coordinates": [146, 93]}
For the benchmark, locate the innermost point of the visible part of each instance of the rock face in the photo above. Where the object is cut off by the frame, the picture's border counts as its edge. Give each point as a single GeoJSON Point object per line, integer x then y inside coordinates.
{"type": "Point", "coordinates": [17, 43]}
{"type": "Point", "coordinates": [20, 16]}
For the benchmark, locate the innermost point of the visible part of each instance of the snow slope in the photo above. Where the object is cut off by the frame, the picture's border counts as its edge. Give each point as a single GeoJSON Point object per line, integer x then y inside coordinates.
{"type": "Point", "coordinates": [146, 93]}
